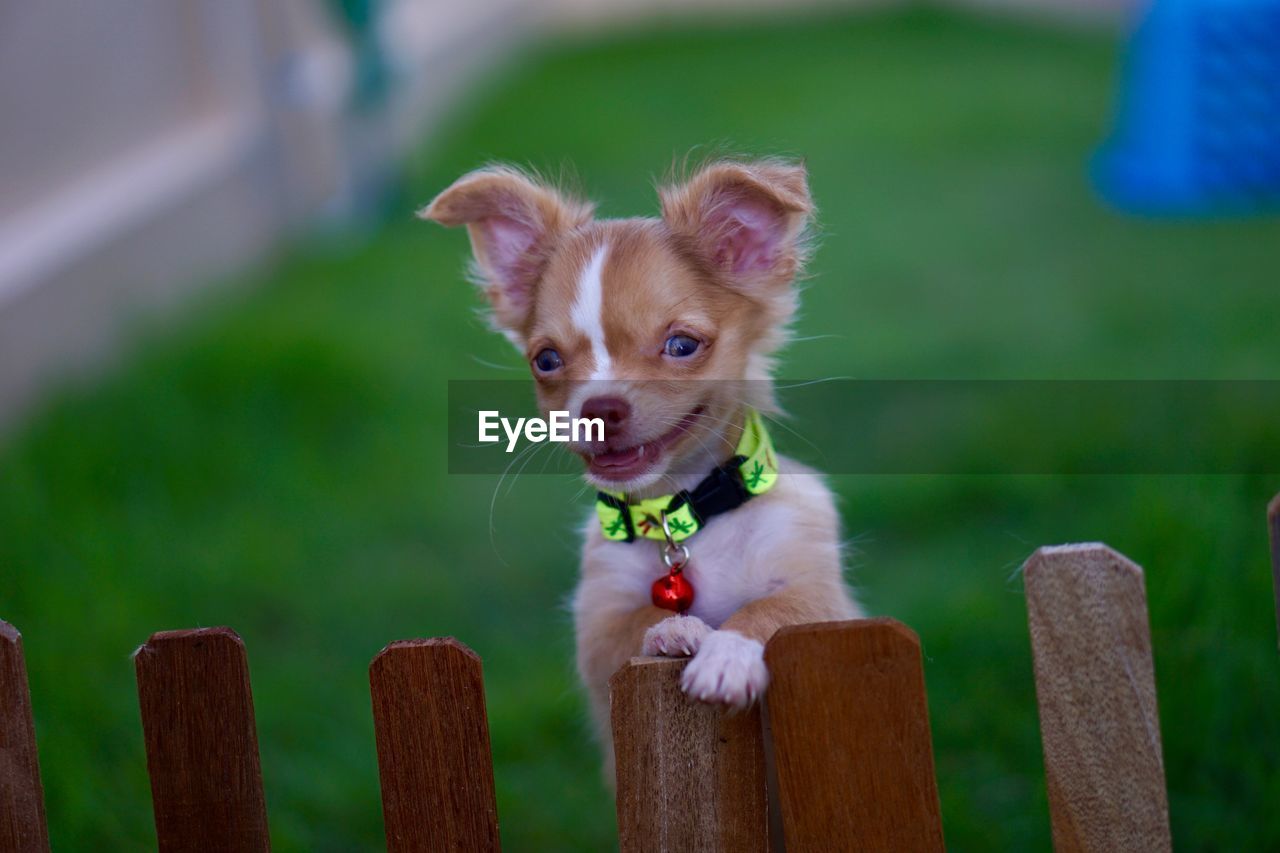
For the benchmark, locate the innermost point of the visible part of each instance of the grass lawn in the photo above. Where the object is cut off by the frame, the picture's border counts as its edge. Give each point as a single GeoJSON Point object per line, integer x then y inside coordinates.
{"type": "Point", "coordinates": [276, 464]}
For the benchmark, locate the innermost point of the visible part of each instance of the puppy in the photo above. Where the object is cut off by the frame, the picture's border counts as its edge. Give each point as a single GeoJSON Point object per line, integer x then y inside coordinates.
{"type": "Point", "coordinates": [704, 541]}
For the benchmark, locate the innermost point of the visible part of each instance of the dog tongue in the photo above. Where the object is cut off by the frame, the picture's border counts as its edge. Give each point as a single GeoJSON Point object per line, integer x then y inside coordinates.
{"type": "Point", "coordinates": [618, 458]}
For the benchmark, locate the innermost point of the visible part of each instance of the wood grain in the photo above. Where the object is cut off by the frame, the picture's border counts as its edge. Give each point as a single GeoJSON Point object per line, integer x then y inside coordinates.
{"type": "Point", "coordinates": [22, 820]}
{"type": "Point", "coordinates": [1095, 685]}
{"type": "Point", "coordinates": [850, 727]}
{"type": "Point", "coordinates": [202, 744]}
{"type": "Point", "coordinates": [691, 777]}
{"type": "Point", "coordinates": [1273, 517]}
{"type": "Point", "coordinates": [433, 747]}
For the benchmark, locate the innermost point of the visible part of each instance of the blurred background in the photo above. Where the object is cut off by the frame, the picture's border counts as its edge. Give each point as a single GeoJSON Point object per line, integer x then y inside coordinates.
{"type": "Point", "coordinates": [225, 343]}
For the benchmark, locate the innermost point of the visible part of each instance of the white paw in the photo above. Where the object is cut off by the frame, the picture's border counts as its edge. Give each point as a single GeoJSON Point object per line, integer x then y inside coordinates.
{"type": "Point", "coordinates": [728, 670]}
{"type": "Point", "coordinates": [675, 636]}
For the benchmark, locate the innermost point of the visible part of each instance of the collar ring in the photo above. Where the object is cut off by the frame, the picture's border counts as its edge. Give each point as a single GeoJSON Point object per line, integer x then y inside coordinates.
{"type": "Point", "coordinates": [675, 556]}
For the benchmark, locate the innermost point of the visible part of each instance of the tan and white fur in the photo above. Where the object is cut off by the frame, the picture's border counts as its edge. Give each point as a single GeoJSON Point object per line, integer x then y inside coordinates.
{"type": "Point", "coordinates": [606, 298]}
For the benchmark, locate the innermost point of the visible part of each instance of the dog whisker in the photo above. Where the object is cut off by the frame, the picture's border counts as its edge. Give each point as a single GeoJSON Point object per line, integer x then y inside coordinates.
{"type": "Point", "coordinates": [493, 500]}
{"type": "Point", "coordinates": [813, 382]}
{"type": "Point", "coordinates": [478, 360]}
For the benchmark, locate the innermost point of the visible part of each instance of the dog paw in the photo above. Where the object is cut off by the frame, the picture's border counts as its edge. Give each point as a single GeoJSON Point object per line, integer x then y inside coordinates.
{"type": "Point", "coordinates": [675, 636]}
{"type": "Point", "coordinates": [727, 670]}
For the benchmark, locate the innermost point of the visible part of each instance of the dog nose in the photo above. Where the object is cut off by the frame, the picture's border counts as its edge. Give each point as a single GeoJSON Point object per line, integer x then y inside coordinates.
{"type": "Point", "coordinates": [614, 411]}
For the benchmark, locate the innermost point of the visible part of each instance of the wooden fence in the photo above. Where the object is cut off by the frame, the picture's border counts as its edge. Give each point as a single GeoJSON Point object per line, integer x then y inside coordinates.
{"type": "Point", "coordinates": [841, 748]}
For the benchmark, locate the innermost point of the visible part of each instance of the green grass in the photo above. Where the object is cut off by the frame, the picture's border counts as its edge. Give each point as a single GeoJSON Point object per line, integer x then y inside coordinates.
{"type": "Point", "coordinates": [276, 463]}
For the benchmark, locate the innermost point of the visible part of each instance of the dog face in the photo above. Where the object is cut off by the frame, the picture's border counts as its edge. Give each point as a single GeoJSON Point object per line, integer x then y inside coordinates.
{"type": "Point", "coordinates": [655, 326]}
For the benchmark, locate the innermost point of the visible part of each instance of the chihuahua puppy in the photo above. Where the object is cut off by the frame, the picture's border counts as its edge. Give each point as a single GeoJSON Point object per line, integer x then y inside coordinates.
{"type": "Point", "coordinates": [704, 541]}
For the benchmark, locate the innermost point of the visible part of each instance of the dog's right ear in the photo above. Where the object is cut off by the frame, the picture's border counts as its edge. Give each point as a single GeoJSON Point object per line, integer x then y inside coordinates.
{"type": "Point", "coordinates": [748, 219]}
{"type": "Point", "coordinates": [514, 223]}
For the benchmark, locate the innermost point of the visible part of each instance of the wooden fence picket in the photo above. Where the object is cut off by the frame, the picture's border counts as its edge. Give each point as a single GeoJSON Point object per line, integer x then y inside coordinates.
{"type": "Point", "coordinates": [434, 757]}
{"type": "Point", "coordinates": [690, 776]}
{"type": "Point", "coordinates": [851, 742]}
{"type": "Point", "coordinates": [1095, 685]}
{"type": "Point", "coordinates": [22, 820]}
{"type": "Point", "coordinates": [202, 744]}
{"type": "Point", "coordinates": [1273, 516]}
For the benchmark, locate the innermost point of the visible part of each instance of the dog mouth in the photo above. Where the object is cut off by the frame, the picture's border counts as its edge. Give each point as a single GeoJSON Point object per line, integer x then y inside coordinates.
{"type": "Point", "coordinates": [625, 463]}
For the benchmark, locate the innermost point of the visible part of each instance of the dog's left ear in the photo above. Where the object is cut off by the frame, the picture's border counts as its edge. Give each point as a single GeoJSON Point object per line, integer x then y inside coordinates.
{"type": "Point", "coordinates": [747, 219]}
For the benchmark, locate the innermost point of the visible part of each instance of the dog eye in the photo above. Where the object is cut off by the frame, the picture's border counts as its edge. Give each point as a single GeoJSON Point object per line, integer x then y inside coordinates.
{"type": "Point", "coordinates": [548, 360]}
{"type": "Point", "coordinates": [680, 346]}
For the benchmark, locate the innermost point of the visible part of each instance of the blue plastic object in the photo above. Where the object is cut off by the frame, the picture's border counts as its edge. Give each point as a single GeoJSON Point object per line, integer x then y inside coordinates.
{"type": "Point", "coordinates": [1198, 125]}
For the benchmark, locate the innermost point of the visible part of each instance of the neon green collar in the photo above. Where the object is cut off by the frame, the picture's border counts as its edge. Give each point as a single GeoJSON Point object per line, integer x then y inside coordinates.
{"type": "Point", "coordinates": [752, 471]}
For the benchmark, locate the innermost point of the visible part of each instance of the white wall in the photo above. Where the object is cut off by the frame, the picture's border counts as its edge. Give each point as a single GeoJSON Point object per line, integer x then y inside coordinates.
{"type": "Point", "coordinates": [150, 146]}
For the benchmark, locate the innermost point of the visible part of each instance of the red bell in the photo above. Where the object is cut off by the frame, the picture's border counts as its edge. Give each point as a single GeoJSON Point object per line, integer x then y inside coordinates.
{"type": "Point", "coordinates": [673, 592]}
